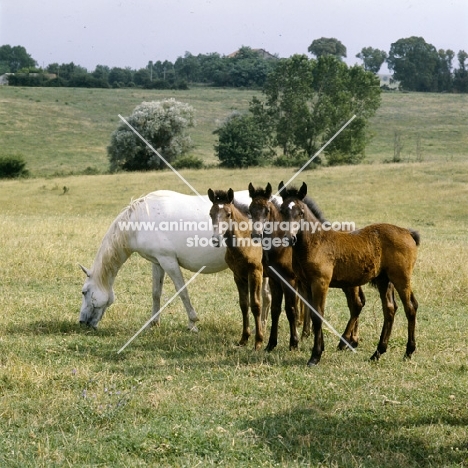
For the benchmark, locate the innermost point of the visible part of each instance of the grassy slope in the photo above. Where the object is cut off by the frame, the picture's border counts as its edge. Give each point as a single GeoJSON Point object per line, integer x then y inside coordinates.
{"type": "Point", "coordinates": [180, 399]}
{"type": "Point", "coordinates": [67, 130]}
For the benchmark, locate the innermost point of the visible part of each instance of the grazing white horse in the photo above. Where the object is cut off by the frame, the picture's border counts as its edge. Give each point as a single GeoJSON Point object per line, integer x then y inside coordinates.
{"type": "Point", "coordinates": [169, 229]}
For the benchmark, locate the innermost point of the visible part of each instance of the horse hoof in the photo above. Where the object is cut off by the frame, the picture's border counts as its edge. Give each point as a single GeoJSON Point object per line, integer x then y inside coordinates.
{"type": "Point", "coordinates": [375, 357]}
{"type": "Point", "coordinates": [313, 362]}
{"type": "Point", "coordinates": [270, 347]}
{"type": "Point", "coordinates": [193, 328]}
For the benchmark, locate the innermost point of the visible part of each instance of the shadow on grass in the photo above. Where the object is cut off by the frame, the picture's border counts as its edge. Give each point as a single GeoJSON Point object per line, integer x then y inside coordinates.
{"type": "Point", "coordinates": [172, 342]}
{"type": "Point", "coordinates": [317, 436]}
{"type": "Point", "coordinates": [57, 327]}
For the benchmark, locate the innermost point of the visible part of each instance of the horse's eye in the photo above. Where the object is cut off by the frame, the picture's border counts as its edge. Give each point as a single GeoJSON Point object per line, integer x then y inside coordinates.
{"type": "Point", "coordinates": [84, 293]}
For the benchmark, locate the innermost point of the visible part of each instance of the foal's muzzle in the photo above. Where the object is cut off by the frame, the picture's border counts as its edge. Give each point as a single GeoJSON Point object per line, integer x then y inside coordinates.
{"type": "Point", "coordinates": [216, 240]}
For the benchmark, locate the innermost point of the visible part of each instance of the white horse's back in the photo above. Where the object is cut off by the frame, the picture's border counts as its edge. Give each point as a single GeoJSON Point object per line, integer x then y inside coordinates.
{"type": "Point", "coordinates": [166, 224]}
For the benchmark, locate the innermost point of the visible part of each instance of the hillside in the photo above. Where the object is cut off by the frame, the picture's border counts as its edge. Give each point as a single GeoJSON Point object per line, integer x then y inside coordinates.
{"type": "Point", "coordinates": [64, 130]}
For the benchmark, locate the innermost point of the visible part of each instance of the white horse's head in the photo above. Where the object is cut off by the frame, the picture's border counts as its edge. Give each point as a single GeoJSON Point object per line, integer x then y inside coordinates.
{"type": "Point", "coordinates": [96, 299]}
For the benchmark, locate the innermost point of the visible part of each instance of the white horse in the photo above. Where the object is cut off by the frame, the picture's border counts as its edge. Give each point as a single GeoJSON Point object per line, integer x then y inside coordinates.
{"type": "Point", "coordinates": [169, 229]}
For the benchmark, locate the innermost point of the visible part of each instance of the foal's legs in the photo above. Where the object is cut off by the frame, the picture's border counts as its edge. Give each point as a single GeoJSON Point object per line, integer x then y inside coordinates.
{"type": "Point", "coordinates": [255, 287]}
{"type": "Point", "coordinates": [319, 289]}
{"type": "Point", "coordinates": [278, 291]}
{"type": "Point", "coordinates": [291, 312]}
{"type": "Point", "coordinates": [387, 296]}
{"type": "Point", "coordinates": [266, 300]}
{"type": "Point", "coordinates": [356, 300]}
{"type": "Point", "coordinates": [276, 303]}
{"type": "Point", "coordinates": [411, 307]}
{"type": "Point", "coordinates": [242, 284]}
{"type": "Point", "coordinates": [304, 310]}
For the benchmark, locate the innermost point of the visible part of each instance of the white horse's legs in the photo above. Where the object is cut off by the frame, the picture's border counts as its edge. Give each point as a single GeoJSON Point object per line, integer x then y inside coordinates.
{"type": "Point", "coordinates": [171, 267]}
{"type": "Point", "coordinates": [158, 281]}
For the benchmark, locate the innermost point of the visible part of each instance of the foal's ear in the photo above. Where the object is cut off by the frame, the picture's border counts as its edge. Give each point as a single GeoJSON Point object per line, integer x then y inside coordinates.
{"type": "Point", "coordinates": [251, 190]}
{"type": "Point", "coordinates": [280, 187]}
{"type": "Point", "coordinates": [211, 195]}
{"type": "Point", "coordinates": [302, 191]}
{"type": "Point", "coordinates": [230, 195]}
{"type": "Point", "coordinates": [268, 190]}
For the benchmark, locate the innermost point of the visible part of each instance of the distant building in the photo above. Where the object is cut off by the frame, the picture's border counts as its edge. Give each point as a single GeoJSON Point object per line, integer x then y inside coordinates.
{"type": "Point", "coordinates": [261, 52]}
{"type": "Point", "coordinates": [4, 79]}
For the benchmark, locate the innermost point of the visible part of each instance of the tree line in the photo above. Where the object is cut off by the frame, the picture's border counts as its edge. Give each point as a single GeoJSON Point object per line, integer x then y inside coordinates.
{"type": "Point", "coordinates": [303, 104]}
{"type": "Point", "coordinates": [416, 66]}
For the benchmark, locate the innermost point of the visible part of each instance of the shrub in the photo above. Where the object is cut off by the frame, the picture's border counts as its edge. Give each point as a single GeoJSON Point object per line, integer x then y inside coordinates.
{"type": "Point", "coordinates": [12, 167]}
{"type": "Point", "coordinates": [188, 162]}
{"type": "Point", "coordinates": [299, 161]}
{"type": "Point", "coordinates": [163, 124]}
{"type": "Point", "coordinates": [241, 142]}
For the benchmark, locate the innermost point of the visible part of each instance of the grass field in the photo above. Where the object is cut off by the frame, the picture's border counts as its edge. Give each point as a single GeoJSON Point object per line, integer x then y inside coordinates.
{"type": "Point", "coordinates": [180, 399]}
{"type": "Point", "coordinates": [66, 130]}
{"type": "Point", "coordinates": [174, 398]}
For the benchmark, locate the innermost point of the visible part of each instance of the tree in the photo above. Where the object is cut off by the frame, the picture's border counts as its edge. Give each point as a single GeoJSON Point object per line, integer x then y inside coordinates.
{"type": "Point", "coordinates": [372, 58]}
{"type": "Point", "coordinates": [120, 76]}
{"type": "Point", "coordinates": [241, 142]}
{"type": "Point", "coordinates": [444, 70]}
{"type": "Point", "coordinates": [414, 63]}
{"type": "Point", "coordinates": [14, 58]}
{"type": "Point", "coordinates": [460, 79]}
{"type": "Point", "coordinates": [163, 124]}
{"type": "Point", "coordinates": [210, 64]}
{"type": "Point", "coordinates": [142, 77]}
{"type": "Point", "coordinates": [101, 72]}
{"type": "Point", "coordinates": [327, 46]}
{"type": "Point", "coordinates": [188, 67]}
{"type": "Point", "coordinates": [307, 102]}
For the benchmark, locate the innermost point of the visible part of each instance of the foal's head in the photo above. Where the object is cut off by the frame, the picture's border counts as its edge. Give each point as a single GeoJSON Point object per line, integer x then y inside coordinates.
{"type": "Point", "coordinates": [260, 209]}
{"type": "Point", "coordinates": [293, 210]}
{"type": "Point", "coordinates": [221, 213]}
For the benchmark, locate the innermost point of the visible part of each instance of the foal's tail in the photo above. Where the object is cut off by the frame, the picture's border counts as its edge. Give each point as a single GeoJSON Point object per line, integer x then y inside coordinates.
{"type": "Point", "coordinates": [415, 235]}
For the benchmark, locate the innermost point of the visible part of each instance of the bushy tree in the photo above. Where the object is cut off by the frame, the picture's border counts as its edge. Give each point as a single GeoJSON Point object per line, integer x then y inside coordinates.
{"type": "Point", "coordinates": [308, 101]}
{"type": "Point", "coordinates": [15, 58]}
{"type": "Point", "coordinates": [327, 46]}
{"type": "Point", "coordinates": [414, 63]}
{"type": "Point", "coordinates": [372, 58]}
{"type": "Point", "coordinates": [241, 142]}
{"type": "Point", "coordinates": [163, 124]}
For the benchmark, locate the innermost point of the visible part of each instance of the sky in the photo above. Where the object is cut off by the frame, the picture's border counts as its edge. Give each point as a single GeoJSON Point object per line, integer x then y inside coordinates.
{"type": "Point", "coordinates": [130, 33]}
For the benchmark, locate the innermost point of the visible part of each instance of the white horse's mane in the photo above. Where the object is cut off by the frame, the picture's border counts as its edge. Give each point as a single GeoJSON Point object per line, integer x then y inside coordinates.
{"type": "Point", "coordinates": [114, 247]}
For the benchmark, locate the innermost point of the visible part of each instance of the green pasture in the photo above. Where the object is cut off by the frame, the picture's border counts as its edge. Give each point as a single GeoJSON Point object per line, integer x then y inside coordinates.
{"type": "Point", "coordinates": [59, 131]}
{"type": "Point", "coordinates": [179, 399]}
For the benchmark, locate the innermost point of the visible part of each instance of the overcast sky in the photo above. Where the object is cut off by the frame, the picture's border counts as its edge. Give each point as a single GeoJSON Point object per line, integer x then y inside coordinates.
{"type": "Point", "coordinates": [132, 32]}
